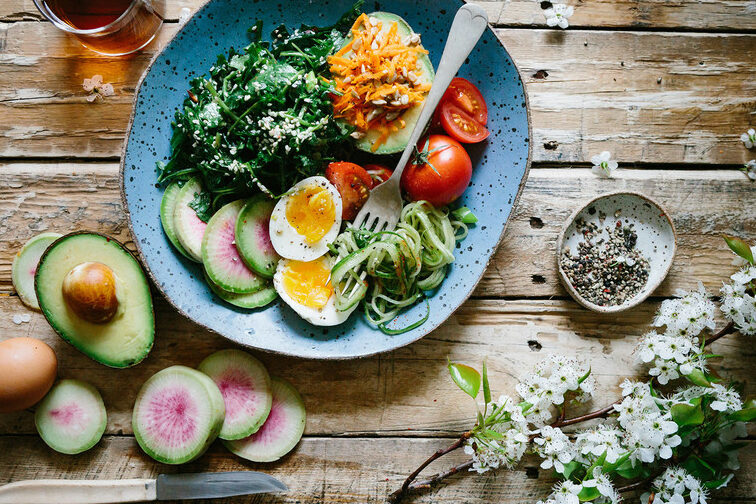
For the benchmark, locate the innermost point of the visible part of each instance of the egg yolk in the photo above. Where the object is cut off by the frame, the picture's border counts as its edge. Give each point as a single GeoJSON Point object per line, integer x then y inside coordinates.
{"type": "Point", "coordinates": [311, 212]}
{"type": "Point", "coordinates": [308, 283]}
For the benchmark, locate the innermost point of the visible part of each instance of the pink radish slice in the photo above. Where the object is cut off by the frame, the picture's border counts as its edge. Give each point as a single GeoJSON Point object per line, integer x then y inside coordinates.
{"type": "Point", "coordinates": [72, 417]}
{"type": "Point", "coordinates": [175, 415]}
{"type": "Point", "coordinates": [253, 236]}
{"type": "Point", "coordinates": [188, 227]}
{"type": "Point", "coordinates": [222, 261]}
{"type": "Point", "coordinates": [245, 386]}
{"type": "Point", "coordinates": [281, 431]}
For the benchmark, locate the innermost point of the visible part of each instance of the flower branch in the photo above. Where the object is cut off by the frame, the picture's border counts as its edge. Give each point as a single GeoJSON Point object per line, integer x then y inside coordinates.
{"type": "Point", "coordinates": [677, 445]}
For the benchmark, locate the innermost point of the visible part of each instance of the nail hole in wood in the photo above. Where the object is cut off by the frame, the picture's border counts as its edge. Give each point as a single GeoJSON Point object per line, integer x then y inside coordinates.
{"type": "Point", "coordinates": [531, 472]}
{"type": "Point", "coordinates": [541, 74]}
{"type": "Point", "coordinates": [550, 145]}
{"type": "Point", "coordinates": [534, 345]}
{"type": "Point", "coordinates": [536, 223]}
{"type": "Point", "coordinates": [538, 279]}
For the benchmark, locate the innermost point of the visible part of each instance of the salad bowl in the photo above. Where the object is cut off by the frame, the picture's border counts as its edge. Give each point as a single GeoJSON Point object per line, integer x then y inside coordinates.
{"type": "Point", "coordinates": [500, 167]}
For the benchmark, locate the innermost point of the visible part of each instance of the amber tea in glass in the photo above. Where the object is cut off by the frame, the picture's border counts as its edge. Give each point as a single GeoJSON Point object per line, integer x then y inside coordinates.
{"type": "Point", "coordinates": [112, 27]}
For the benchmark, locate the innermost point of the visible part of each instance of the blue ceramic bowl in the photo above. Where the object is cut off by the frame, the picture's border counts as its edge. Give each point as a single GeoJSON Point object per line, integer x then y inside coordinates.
{"type": "Point", "coordinates": [500, 167]}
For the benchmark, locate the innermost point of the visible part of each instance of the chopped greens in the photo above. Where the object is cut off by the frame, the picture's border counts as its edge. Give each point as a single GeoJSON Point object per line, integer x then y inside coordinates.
{"type": "Point", "coordinates": [262, 119]}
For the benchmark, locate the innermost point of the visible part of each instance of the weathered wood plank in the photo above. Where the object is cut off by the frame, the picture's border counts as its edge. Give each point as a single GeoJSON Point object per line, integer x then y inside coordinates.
{"type": "Point", "coordinates": [681, 14]}
{"type": "Point", "coordinates": [646, 97]}
{"type": "Point", "coordinates": [72, 196]}
{"type": "Point", "coordinates": [321, 470]}
{"type": "Point", "coordinates": [405, 392]}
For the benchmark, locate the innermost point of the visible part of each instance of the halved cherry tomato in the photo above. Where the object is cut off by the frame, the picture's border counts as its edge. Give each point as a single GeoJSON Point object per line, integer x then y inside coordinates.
{"type": "Point", "coordinates": [353, 184]}
{"type": "Point", "coordinates": [441, 174]}
{"type": "Point", "coordinates": [466, 96]}
{"type": "Point", "coordinates": [379, 173]}
{"type": "Point", "coordinates": [459, 125]}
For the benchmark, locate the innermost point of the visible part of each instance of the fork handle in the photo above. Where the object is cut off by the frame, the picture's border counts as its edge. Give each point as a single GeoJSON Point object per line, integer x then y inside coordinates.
{"type": "Point", "coordinates": [469, 24]}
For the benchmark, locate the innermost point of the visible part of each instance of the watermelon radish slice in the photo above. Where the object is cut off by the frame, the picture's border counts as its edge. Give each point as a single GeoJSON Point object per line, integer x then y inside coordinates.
{"type": "Point", "coordinates": [222, 262]}
{"type": "Point", "coordinates": [281, 431]}
{"type": "Point", "coordinates": [25, 267]}
{"type": "Point", "coordinates": [167, 207]}
{"type": "Point", "coordinates": [245, 386]}
{"type": "Point", "coordinates": [253, 236]}
{"type": "Point", "coordinates": [72, 417]}
{"type": "Point", "coordinates": [176, 415]}
{"type": "Point", "coordinates": [189, 228]}
{"type": "Point", "coordinates": [255, 299]}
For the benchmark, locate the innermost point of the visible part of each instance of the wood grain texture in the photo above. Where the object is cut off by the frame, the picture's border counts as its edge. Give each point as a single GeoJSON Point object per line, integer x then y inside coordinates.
{"type": "Point", "coordinates": [636, 94]}
{"type": "Point", "coordinates": [404, 392]}
{"type": "Point", "coordinates": [65, 197]}
{"type": "Point", "coordinates": [323, 470]}
{"type": "Point", "coordinates": [678, 14]}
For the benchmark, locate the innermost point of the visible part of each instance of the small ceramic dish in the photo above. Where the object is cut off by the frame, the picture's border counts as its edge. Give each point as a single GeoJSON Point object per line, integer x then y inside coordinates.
{"type": "Point", "coordinates": [657, 240]}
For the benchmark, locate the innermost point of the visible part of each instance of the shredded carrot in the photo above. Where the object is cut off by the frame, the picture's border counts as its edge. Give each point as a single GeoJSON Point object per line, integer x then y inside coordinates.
{"type": "Point", "coordinates": [378, 77]}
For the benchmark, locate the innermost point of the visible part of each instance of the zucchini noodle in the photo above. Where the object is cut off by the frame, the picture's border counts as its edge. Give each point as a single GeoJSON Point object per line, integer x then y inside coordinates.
{"type": "Point", "coordinates": [392, 270]}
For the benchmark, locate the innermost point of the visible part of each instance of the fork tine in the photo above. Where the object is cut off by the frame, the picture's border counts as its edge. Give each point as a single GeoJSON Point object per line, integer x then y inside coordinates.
{"type": "Point", "coordinates": [360, 219]}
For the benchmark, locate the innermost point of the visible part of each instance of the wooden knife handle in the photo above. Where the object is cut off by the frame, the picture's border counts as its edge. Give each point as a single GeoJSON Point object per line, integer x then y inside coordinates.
{"type": "Point", "coordinates": [78, 491]}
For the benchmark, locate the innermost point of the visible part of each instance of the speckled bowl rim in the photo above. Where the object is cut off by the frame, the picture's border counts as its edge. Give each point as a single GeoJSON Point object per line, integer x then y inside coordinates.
{"type": "Point", "coordinates": [623, 307]}
{"type": "Point", "coordinates": [431, 328]}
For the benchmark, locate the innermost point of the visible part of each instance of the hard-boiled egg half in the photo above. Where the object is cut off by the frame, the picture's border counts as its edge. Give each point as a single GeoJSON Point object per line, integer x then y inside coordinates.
{"type": "Point", "coordinates": [303, 223]}
{"type": "Point", "coordinates": [306, 219]}
{"type": "Point", "coordinates": [307, 288]}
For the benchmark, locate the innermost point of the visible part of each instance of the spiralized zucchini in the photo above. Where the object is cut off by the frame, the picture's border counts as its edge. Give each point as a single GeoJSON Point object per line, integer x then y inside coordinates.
{"type": "Point", "coordinates": [391, 270]}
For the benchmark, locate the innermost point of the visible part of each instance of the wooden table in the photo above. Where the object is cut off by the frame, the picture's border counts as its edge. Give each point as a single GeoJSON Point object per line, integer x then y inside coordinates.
{"type": "Point", "coordinates": [666, 86]}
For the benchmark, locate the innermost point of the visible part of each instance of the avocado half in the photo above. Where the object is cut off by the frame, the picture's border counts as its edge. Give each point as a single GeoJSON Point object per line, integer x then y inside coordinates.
{"type": "Point", "coordinates": [127, 337]}
{"type": "Point", "coordinates": [397, 141]}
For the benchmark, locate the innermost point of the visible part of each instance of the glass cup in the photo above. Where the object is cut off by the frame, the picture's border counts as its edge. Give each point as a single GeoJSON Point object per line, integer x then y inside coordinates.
{"type": "Point", "coordinates": [109, 27]}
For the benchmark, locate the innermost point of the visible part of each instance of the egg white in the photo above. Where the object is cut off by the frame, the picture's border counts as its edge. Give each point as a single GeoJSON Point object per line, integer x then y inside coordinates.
{"type": "Point", "coordinates": [285, 238]}
{"type": "Point", "coordinates": [328, 315]}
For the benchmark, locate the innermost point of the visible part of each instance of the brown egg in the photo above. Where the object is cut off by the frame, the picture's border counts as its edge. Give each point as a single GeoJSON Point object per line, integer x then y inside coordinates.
{"type": "Point", "coordinates": [27, 371]}
{"type": "Point", "coordinates": [90, 291]}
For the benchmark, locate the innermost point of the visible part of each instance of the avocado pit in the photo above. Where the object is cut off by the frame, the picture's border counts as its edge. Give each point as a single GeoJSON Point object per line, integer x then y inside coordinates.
{"type": "Point", "coordinates": [89, 290]}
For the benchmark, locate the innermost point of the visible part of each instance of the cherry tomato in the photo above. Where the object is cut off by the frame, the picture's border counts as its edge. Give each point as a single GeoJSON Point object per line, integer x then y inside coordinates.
{"type": "Point", "coordinates": [460, 125]}
{"type": "Point", "coordinates": [379, 173]}
{"type": "Point", "coordinates": [466, 96]}
{"type": "Point", "coordinates": [353, 184]}
{"type": "Point", "coordinates": [446, 179]}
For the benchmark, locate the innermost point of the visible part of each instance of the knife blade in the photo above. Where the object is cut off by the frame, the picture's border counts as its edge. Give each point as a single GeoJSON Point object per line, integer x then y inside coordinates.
{"type": "Point", "coordinates": [167, 486]}
{"type": "Point", "coordinates": [215, 485]}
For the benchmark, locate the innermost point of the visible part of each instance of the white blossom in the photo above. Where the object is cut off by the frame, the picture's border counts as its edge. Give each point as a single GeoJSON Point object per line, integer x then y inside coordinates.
{"type": "Point", "coordinates": [664, 371]}
{"type": "Point", "coordinates": [599, 440]}
{"type": "Point", "coordinates": [677, 486]}
{"type": "Point", "coordinates": [649, 432]}
{"type": "Point", "coordinates": [726, 399]}
{"type": "Point", "coordinates": [96, 88]}
{"type": "Point", "coordinates": [566, 492]}
{"type": "Point", "coordinates": [738, 300]}
{"type": "Point", "coordinates": [554, 447]}
{"type": "Point", "coordinates": [750, 169]}
{"type": "Point", "coordinates": [688, 315]}
{"type": "Point", "coordinates": [603, 484]}
{"type": "Point", "coordinates": [558, 15]}
{"type": "Point", "coordinates": [749, 138]}
{"type": "Point", "coordinates": [550, 381]}
{"type": "Point", "coordinates": [603, 164]}
{"type": "Point", "coordinates": [490, 453]}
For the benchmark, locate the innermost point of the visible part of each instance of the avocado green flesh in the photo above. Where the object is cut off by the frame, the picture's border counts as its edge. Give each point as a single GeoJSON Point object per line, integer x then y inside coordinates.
{"type": "Point", "coordinates": [127, 338]}
{"type": "Point", "coordinates": [397, 141]}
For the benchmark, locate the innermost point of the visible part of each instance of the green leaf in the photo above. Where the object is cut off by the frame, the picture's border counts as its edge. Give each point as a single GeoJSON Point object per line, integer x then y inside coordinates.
{"type": "Point", "coordinates": [569, 468]}
{"type": "Point", "coordinates": [481, 420]}
{"type": "Point", "coordinates": [525, 406]}
{"type": "Point", "coordinates": [628, 471]}
{"type": "Point", "coordinates": [744, 415]}
{"type": "Point", "coordinates": [486, 387]}
{"type": "Point", "coordinates": [466, 378]}
{"type": "Point", "coordinates": [687, 414]}
{"type": "Point", "coordinates": [609, 468]}
{"type": "Point", "coordinates": [740, 247]}
{"type": "Point", "coordinates": [698, 468]}
{"type": "Point", "coordinates": [588, 494]}
{"type": "Point", "coordinates": [202, 206]}
{"type": "Point", "coordinates": [719, 483]}
{"type": "Point", "coordinates": [697, 377]}
{"type": "Point", "coordinates": [494, 434]}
